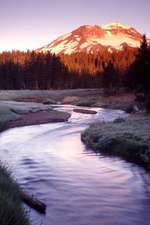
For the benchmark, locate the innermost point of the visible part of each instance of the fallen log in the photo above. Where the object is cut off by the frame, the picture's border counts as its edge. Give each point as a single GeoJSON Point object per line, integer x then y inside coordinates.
{"type": "Point", "coordinates": [33, 202]}
{"type": "Point", "coordinates": [85, 111]}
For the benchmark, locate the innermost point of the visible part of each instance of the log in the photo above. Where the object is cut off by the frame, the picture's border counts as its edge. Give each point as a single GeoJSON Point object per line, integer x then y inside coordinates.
{"type": "Point", "coordinates": [85, 111]}
{"type": "Point", "coordinates": [33, 202]}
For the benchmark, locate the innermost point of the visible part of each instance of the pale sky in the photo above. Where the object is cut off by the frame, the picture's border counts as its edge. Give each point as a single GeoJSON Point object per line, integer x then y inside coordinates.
{"type": "Point", "coordinates": [30, 24]}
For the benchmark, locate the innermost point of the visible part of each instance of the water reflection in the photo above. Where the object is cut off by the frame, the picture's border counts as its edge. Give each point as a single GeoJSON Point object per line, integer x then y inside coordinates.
{"type": "Point", "coordinates": [78, 186]}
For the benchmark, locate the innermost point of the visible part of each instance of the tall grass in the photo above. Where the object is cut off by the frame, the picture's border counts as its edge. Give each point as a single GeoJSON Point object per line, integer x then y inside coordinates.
{"type": "Point", "coordinates": [11, 211]}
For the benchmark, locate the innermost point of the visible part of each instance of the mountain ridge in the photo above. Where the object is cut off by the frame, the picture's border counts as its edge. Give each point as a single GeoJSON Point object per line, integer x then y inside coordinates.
{"type": "Point", "coordinates": [93, 38]}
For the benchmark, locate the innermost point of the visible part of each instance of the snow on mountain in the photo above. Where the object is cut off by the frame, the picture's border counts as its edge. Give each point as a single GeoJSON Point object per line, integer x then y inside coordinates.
{"type": "Point", "coordinates": [93, 38]}
{"type": "Point", "coordinates": [114, 25]}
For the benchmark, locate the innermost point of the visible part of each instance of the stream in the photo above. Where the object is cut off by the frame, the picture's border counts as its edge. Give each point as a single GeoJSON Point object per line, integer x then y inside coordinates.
{"type": "Point", "coordinates": [78, 186]}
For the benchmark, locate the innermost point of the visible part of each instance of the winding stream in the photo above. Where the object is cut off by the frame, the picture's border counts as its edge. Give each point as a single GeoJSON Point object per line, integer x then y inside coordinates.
{"type": "Point", "coordinates": [78, 186]}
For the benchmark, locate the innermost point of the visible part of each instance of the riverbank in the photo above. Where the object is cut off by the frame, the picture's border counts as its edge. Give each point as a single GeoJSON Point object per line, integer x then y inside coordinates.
{"type": "Point", "coordinates": [22, 108]}
{"type": "Point", "coordinates": [16, 114]}
{"type": "Point", "coordinates": [11, 211]}
{"type": "Point", "coordinates": [31, 107]}
{"type": "Point", "coordinates": [80, 97]}
{"type": "Point", "coordinates": [128, 138]}
{"type": "Point", "coordinates": [51, 162]}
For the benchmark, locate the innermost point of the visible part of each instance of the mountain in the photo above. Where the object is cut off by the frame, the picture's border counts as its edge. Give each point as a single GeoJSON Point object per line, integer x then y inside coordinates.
{"type": "Point", "coordinates": [94, 38]}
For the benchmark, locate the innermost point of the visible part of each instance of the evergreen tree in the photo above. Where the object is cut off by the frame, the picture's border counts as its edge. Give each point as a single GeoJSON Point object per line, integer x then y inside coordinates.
{"type": "Point", "coordinates": [141, 68]}
{"type": "Point", "coordinates": [110, 78]}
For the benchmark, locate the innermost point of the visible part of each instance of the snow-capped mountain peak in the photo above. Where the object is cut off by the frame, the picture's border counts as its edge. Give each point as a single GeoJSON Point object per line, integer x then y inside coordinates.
{"type": "Point", "coordinates": [94, 38]}
{"type": "Point", "coordinates": [115, 25]}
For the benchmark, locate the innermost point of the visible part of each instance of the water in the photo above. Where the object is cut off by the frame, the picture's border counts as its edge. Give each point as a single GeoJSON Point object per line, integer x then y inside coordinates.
{"type": "Point", "coordinates": [78, 186]}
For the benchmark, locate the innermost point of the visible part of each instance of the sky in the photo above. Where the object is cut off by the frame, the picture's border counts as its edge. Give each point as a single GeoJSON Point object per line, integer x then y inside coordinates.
{"type": "Point", "coordinates": [30, 24]}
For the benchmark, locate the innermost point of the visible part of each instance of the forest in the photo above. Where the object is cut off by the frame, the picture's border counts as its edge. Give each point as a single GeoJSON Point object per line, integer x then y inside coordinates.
{"type": "Point", "coordinates": [31, 70]}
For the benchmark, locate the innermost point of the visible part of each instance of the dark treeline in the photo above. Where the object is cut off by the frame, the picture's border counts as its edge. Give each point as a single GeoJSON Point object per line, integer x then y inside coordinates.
{"type": "Point", "coordinates": [138, 75]}
{"type": "Point", "coordinates": [31, 70]}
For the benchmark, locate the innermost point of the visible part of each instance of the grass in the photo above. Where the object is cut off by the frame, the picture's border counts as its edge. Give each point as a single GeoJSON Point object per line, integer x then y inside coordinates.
{"type": "Point", "coordinates": [11, 211]}
{"type": "Point", "coordinates": [128, 138]}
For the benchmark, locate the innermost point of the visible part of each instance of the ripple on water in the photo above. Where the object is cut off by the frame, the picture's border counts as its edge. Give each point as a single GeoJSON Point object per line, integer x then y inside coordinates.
{"type": "Point", "coordinates": [79, 186]}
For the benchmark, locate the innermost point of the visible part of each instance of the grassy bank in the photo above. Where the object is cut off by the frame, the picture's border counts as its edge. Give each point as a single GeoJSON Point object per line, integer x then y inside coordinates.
{"type": "Point", "coordinates": [16, 114]}
{"type": "Point", "coordinates": [80, 97]}
{"type": "Point", "coordinates": [11, 211]}
{"type": "Point", "coordinates": [128, 138]}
